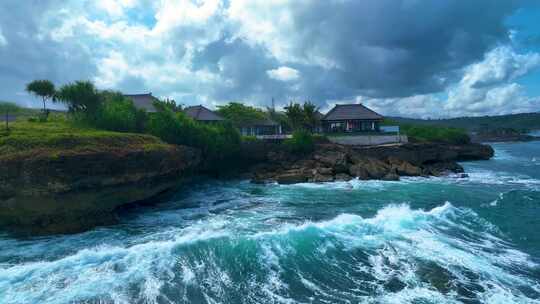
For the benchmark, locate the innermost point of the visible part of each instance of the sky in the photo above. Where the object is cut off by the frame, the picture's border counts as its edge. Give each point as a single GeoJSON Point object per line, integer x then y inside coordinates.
{"type": "Point", "coordinates": [412, 58]}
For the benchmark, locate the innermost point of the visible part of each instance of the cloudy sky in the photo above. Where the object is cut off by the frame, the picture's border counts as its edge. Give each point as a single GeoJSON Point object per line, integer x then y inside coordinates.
{"type": "Point", "coordinates": [401, 57]}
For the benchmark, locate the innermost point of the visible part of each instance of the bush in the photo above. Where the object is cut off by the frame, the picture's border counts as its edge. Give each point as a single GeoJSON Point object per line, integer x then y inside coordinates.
{"type": "Point", "coordinates": [216, 142]}
{"type": "Point", "coordinates": [436, 134]}
{"type": "Point", "coordinates": [249, 138]}
{"type": "Point", "coordinates": [84, 101]}
{"type": "Point", "coordinates": [301, 142]}
{"type": "Point", "coordinates": [119, 114]}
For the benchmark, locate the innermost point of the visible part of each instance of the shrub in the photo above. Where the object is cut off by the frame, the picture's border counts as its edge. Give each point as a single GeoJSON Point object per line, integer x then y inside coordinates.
{"type": "Point", "coordinates": [165, 126]}
{"type": "Point", "coordinates": [301, 142]}
{"type": "Point", "coordinates": [83, 100]}
{"type": "Point", "coordinates": [436, 134]}
{"type": "Point", "coordinates": [118, 113]}
{"type": "Point", "coordinates": [216, 142]}
{"type": "Point", "coordinates": [249, 138]}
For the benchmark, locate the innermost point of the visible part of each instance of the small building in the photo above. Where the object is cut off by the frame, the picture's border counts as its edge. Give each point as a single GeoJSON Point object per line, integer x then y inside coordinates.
{"type": "Point", "coordinates": [203, 114]}
{"type": "Point", "coordinates": [143, 101]}
{"type": "Point", "coordinates": [261, 128]}
{"type": "Point", "coordinates": [351, 118]}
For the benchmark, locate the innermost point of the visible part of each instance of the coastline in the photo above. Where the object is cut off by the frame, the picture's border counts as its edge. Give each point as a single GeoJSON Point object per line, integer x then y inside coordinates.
{"type": "Point", "coordinates": [73, 191]}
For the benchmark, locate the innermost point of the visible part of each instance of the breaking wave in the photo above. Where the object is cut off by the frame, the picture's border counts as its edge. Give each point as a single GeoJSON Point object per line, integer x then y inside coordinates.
{"type": "Point", "coordinates": [399, 255]}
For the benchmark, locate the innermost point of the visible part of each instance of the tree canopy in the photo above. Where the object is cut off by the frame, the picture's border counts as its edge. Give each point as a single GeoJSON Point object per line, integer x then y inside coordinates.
{"type": "Point", "coordinates": [239, 114]}
{"type": "Point", "coordinates": [81, 97]}
{"type": "Point", "coordinates": [302, 116]}
{"type": "Point", "coordinates": [42, 88]}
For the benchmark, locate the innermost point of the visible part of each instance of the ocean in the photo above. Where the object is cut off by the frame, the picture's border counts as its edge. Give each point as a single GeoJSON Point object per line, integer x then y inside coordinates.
{"type": "Point", "coordinates": [418, 240]}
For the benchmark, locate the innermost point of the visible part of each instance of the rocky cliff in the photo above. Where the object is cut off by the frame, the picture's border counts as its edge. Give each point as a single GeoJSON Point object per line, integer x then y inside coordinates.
{"type": "Point", "coordinates": [75, 189]}
{"type": "Point", "coordinates": [330, 162]}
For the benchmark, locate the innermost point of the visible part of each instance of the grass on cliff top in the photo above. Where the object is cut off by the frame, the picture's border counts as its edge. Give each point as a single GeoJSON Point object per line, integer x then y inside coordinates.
{"type": "Point", "coordinates": [60, 135]}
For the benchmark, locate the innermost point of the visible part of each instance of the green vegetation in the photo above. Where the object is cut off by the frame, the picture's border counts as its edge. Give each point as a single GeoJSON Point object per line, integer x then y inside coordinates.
{"type": "Point", "coordinates": [217, 142]}
{"type": "Point", "coordinates": [44, 89]}
{"type": "Point", "coordinates": [118, 113]}
{"type": "Point", "coordinates": [302, 142]}
{"type": "Point", "coordinates": [59, 134]}
{"type": "Point", "coordinates": [523, 122]}
{"type": "Point", "coordinates": [424, 133]}
{"type": "Point", "coordinates": [95, 118]}
{"type": "Point", "coordinates": [167, 104]}
{"type": "Point", "coordinates": [239, 114]}
{"type": "Point", "coordinates": [84, 101]}
{"type": "Point", "coordinates": [302, 116]}
{"type": "Point", "coordinates": [7, 108]}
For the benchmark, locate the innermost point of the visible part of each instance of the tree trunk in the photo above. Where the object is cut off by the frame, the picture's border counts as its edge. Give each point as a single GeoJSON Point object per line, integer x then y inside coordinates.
{"type": "Point", "coordinates": [7, 120]}
{"type": "Point", "coordinates": [44, 107]}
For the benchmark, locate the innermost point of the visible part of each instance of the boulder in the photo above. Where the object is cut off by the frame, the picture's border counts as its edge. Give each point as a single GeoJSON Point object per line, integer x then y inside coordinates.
{"type": "Point", "coordinates": [344, 177]}
{"type": "Point", "coordinates": [325, 171]}
{"type": "Point", "coordinates": [293, 177]}
{"type": "Point", "coordinates": [369, 167]}
{"type": "Point", "coordinates": [333, 159]}
{"type": "Point", "coordinates": [391, 176]}
{"type": "Point", "coordinates": [319, 178]}
{"type": "Point", "coordinates": [359, 171]}
{"type": "Point", "coordinates": [442, 168]}
{"type": "Point", "coordinates": [404, 168]}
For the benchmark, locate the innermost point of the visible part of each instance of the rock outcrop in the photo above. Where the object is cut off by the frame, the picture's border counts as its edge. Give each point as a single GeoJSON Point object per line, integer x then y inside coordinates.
{"type": "Point", "coordinates": [332, 162]}
{"type": "Point", "coordinates": [72, 190]}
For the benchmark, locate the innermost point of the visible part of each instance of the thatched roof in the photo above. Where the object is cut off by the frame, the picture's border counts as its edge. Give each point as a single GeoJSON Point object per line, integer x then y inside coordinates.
{"type": "Point", "coordinates": [201, 113]}
{"type": "Point", "coordinates": [351, 112]}
{"type": "Point", "coordinates": [143, 101]}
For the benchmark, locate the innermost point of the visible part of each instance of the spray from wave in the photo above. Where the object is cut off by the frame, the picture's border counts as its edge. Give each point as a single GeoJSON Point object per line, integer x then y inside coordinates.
{"type": "Point", "coordinates": [400, 255]}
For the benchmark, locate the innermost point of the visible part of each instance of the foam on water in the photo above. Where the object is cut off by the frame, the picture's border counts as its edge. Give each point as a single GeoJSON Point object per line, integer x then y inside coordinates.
{"type": "Point", "coordinates": [412, 249]}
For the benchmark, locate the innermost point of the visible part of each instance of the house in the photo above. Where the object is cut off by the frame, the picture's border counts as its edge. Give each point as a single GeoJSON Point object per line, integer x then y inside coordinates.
{"type": "Point", "coordinates": [260, 128]}
{"type": "Point", "coordinates": [351, 118]}
{"type": "Point", "coordinates": [203, 114]}
{"type": "Point", "coordinates": [143, 101]}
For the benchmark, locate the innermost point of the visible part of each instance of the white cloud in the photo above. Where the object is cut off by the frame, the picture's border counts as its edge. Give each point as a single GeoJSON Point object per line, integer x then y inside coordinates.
{"type": "Point", "coordinates": [115, 8]}
{"type": "Point", "coordinates": [283, 74]}
{"type": "Point", "coordinates": [214, 51]}
{"type": "Point", "coordinates": [486, 88]}
{"type": "Point", "coordinates": [3, 40]}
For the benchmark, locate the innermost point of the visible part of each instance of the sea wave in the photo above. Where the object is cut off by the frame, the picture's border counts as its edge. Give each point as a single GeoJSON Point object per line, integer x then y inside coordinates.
{"type": "Point", "coordinates": [444, 254]}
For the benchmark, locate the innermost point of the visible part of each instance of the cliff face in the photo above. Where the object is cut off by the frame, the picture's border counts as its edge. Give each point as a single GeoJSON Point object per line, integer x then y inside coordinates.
{"type": "Point", "coordinates": [330, 162]}
{"type": "Point", "coordinates": [73, 190]}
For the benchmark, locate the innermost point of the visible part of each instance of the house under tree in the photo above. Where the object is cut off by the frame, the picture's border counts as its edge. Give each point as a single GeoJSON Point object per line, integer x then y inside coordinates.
{"type": "Point", "coordinates": [351, 118]}
{"type": "Point", "coordinates": [203, 114]}
{"type": "Point", "coordinates": [143, 101]}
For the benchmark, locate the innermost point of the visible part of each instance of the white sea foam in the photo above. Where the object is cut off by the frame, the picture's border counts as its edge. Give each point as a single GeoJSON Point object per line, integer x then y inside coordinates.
{"type": "Point", "coordinates": [395, 242]}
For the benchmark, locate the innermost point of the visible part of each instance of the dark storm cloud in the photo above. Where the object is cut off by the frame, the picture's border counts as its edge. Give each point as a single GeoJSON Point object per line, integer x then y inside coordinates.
{"type": "Point", "coordinates": [398, 48]}
{"type": "Point", "coordinates": [376, 48]}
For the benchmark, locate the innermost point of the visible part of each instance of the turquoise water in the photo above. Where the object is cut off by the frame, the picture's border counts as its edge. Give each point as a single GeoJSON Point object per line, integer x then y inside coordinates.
{"type": "Point", "coordinates": [420, 240]}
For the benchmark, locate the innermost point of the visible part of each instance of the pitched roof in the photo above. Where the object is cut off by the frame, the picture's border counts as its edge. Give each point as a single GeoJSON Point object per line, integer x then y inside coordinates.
{"type": "Point", "coordinates": [202, 114]}
{"type": "Point", "coordinates": [143, 101]}
{"type": "Point", "coordinates": [352, 112]}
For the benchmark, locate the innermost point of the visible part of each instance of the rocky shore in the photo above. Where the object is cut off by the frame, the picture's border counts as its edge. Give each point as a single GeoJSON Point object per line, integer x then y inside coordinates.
{"type": "Point", "coordinates": [331, 162]}
{"type": "Point", "coordinates": [71, 191]}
